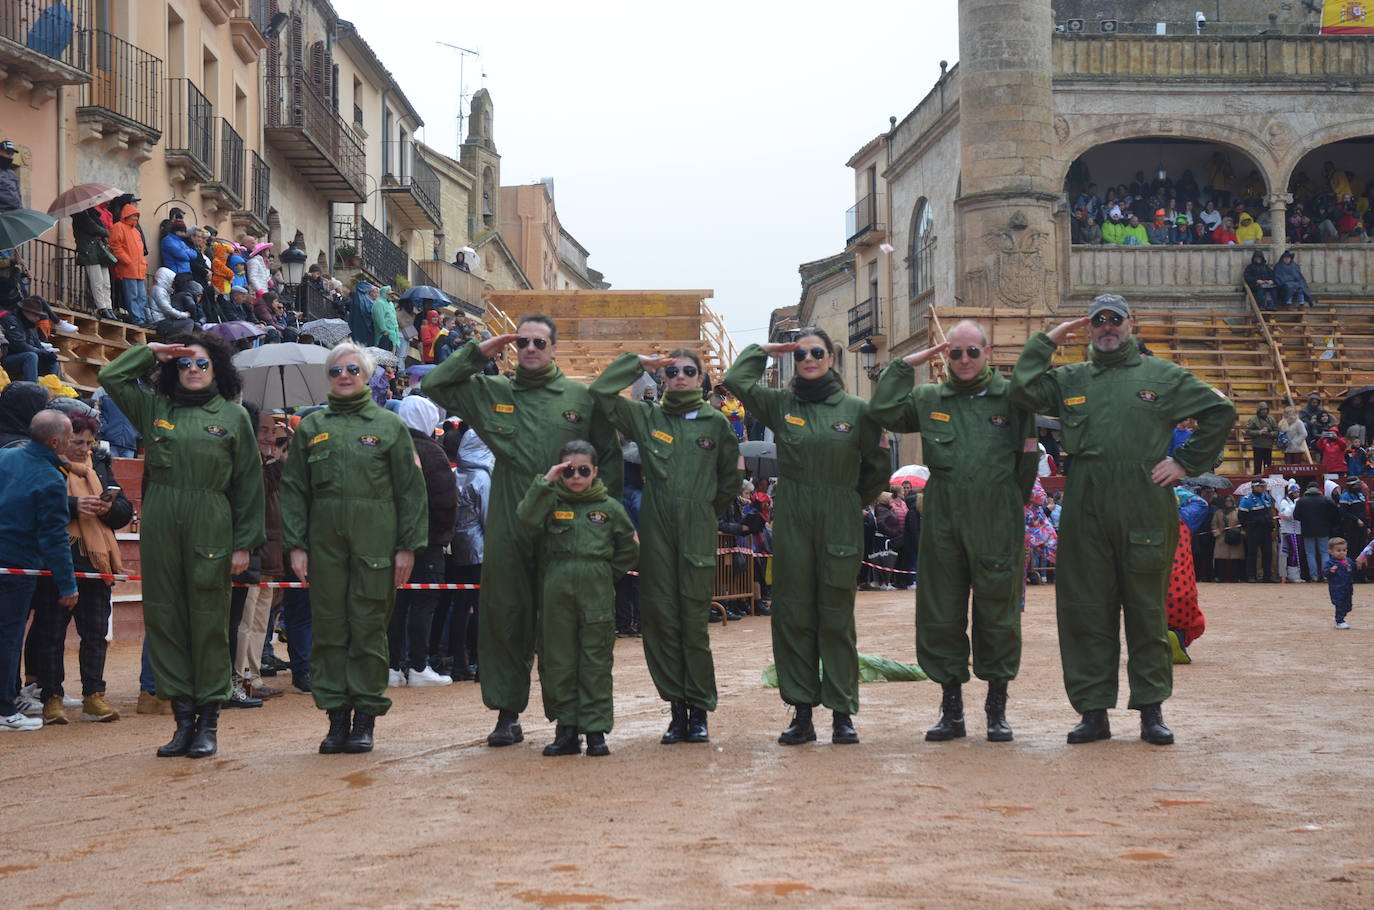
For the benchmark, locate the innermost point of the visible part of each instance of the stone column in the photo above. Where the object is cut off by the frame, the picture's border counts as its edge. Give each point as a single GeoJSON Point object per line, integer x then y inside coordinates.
{"type": "Point", "coordinates": [1010, 179]}
{"type": "Point", "coordinates": [1278, 221]}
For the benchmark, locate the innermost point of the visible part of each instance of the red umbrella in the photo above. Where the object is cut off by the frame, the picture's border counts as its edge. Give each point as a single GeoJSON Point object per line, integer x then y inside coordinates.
{"type": "Point", "coordinates": [81, 197]}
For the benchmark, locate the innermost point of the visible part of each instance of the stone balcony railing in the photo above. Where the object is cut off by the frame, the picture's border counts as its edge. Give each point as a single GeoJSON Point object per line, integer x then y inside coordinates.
{"type": "Point", "coordinates": [1211, 272]}
{"type": "Point", "coordinates": [1251, 58]}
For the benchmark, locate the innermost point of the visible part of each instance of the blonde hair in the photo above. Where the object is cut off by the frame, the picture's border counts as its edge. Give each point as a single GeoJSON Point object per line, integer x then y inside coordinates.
{"type": "Point", "coordinates": [365, 360]}
{"type": "Point", "coordinates": [1336, 540]}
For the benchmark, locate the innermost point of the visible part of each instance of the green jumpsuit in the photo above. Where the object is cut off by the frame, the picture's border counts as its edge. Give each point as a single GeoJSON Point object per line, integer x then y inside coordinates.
{"type": "Point", "coordinates": [973, 528]}
{"type": "Point", "coordinates": [691, 471]}
{"type": "Point", "coordinates": [588, 545]}
{"type": "Point", "coordinates": [1118, 530]}
{"type": "Point", "coordinates": [524, 427]}
{"type": "Point", "coordinates": [831, 463]}
{"type": "Point", "coordinates": [202, 499]}
{"type": "Point", "coordinates": [352, 495]}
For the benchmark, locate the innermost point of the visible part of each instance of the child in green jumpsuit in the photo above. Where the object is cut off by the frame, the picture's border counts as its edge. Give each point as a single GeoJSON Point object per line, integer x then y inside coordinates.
{"type": "Point", "coordinates": [589, 543]}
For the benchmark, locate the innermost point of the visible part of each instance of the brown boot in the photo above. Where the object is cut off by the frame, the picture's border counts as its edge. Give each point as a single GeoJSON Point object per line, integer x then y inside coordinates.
{"type": "Point", "coordinates": [53, 712]}
{"type": "Point", "coordinates": [148, 703]}
{"type": "Point", "coordinates": [95, 708]}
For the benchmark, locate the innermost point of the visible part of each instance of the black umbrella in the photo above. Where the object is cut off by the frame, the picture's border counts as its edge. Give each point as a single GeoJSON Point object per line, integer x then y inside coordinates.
{"type": "Point", "coordinates": [760, 458]}
{"type": "Point", "coordinates": [1046, 423]}
{"type": "Point", "coordinates": [1215, 481]}
{"type": "Point", "coordinates": [1362, 390]}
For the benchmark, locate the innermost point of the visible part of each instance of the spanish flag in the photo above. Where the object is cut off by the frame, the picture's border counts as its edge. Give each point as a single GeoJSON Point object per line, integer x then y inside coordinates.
{"type": "Point", "coordinates": [1347, 17]}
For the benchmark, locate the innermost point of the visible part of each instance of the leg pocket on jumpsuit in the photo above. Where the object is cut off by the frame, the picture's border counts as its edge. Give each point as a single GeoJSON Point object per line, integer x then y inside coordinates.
{"type": "Point", "coordinates": [1146, 551]}
{"type": "Point", "coordinates": [841, 569]}
{"type": "Point", "coordinates": [998, 573]}
{"type": "Point", "coordinates": [210, 570]}
{"type": "Point", "coordinates": [373, 577]}
{"type": "Point", "coordinates": [698, 576]}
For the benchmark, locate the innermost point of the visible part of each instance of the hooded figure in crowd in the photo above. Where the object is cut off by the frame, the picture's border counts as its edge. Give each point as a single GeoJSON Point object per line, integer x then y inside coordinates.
{"type": "Point", "coordinates": [360, 315]}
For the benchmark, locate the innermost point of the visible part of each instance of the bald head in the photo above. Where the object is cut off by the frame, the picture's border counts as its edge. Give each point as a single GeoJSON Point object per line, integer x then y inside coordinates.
{"type": "Point", "coordinates": [967, 336]}
{"type": "Point", "coordinates": [52, 429]}
{"type": "Point", "coordinates": [967, 331]}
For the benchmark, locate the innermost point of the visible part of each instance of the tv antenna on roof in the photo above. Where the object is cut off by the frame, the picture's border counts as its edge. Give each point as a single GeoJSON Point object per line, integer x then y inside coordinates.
{"type": "Point", "coordinates": [463, 54]}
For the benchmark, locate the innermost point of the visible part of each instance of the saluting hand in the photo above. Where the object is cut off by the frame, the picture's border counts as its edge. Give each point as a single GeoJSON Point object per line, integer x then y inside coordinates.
{"type": "Point", "coordinates": [166, 352]}
{"type": "Point", "coordinates": [1065, 330]}
{"type": "Point", "coordinates": [920, 357]}
{"type": "Point", "coordinates": [405, 562]}
{"type": "Point", "coordinates": [651, 362]}
{"type": "Point", "coordinates": [780, 348]}
{"type": "Point", "coordinates": [493, 345]}
{"type": "Point", "coordinates": [557, 471]}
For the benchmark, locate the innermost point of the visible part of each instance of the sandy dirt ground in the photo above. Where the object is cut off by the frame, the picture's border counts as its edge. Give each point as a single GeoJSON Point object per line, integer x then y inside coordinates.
{"type": "Point", "coordinates": [1265, 800]}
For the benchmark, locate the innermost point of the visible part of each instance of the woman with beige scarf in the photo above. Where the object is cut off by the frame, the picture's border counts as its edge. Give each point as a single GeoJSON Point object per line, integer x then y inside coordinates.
{"type": "Point", "coordinates": [95, 516]}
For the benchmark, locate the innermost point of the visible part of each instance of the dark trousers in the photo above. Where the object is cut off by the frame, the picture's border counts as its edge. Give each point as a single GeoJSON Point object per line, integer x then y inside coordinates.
{"type": "Point", "coordinates": [462, 623]}
{"type": "Point", "coordinates": [627, 604]}
{"type": "Point", "coordinates": [237, 599]}
{"type": "Point", "coordinates": [48, 636]}
{"type": "Point", "coordinates": [16, 593]}
{"type": "Point", "coordinates": [414, 614]}
{"type": "Point", "coordinates": [1204, 545]}
{"type": "Point", "coordinates": [1259, 542]}
{"type": "Point", "coordinates": [1264, 458]}
{"type": "Point", "coordinates": [295, 611]}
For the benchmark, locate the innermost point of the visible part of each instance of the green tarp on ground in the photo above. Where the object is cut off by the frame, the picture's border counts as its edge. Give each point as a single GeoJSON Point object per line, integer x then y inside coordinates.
{"type": "Point", "coordinates": [871, 669]}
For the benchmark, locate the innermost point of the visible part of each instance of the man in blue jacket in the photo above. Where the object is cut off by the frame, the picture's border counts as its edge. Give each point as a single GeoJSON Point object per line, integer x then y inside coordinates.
{"type": "Point", "coordinates": [177, 252]}
{"type": "Point", "coordinates": [33, 535]}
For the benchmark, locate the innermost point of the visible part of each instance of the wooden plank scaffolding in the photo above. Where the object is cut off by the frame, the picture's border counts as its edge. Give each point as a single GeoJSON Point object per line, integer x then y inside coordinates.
{"type": "Point", "coordinates": [595, 327]}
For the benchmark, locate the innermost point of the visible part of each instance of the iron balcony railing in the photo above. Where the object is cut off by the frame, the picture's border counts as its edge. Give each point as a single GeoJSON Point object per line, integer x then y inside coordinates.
{"type": "Point", "coordinates": [54, 30]}
{"type": "Point", "coordinates": [55, 276]}
{"type": "Point", "coordinates": [293, 103]}
{"type": "Point", "coordinates": [382, 259]}
{"type": "Point", "coordinates": [261, 177]}
{"type": "Point", "coordinates": [258, 12]}
{"type": "Point", "coordinates": [126, 81]}
{"type": "Point", "coordinates": [408, 170]}
{"type": "Point", "coordinates": [861, 218]}
{"type": "Point", "coordinates": [863, 320]}
{"type": "Point", "coordinates": [231, 161]}
{"type": "Point", "coordinates": [190, 125]}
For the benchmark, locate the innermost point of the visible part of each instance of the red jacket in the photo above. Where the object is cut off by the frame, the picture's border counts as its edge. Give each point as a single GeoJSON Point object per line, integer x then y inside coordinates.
{"type": "Point", "coordinates": [127, 245]}
{"type": "Point", "coordinates": [1333, 454]}
{"type": "Point", "coordinates": [428, 333]}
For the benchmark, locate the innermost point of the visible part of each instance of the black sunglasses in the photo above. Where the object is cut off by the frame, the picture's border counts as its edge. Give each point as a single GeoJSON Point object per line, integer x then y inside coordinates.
{"type": "Point", "coordinates": [583, 470]}
{"type": "Point", "coordinates": [523, 343]}
{"type": "Point", "coordinates": [671, 372]}
{"type": "Point", "coordinates": [336, 371]}
{"type": "Point", "coordinates": [958, 353]}
{"type": "Point", "coordinates": [200, 363]}
{"type": "Point", "coordinates": [813, 353]}
{"type": "Point", "coordinates": [1102, 319]}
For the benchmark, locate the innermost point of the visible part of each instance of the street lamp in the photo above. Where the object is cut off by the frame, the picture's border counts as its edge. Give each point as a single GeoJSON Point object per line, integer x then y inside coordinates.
{"type": "Point", "coordinates": [292, 261]}
{"type": "Point", "coordinates": [868, 357]}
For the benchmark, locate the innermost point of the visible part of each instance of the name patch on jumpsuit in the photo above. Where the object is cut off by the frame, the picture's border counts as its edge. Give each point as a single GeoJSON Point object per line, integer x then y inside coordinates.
{"type": "Point", "coordinates": [215, 429]}
{"type": "Point", "coordinates": [1077, 399]}
{"type": "Point", "coordinates": [164, 424]}
{"type": "Point", "coordinates": [369, 440]}
{"type": "Point", "coordinates": [661, 436]}
{"type": "Point", "coordinates": [320, 438]}
{"type": "Point", "coordinates": [598, 518]}
{"type": "Point", "coordinates": [561, 515]}
{"type": "Point", "coordinates": [940, 416]}
{"type": "Point", "coordinates": [795, 421]}
{"type": "Point", "coordinates": [503, 408]}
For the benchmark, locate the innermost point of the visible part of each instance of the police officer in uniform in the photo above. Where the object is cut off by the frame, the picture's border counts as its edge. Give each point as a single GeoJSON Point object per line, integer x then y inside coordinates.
{"type": "Point", "coordinates": [524, 421]}
{"type": "Point", "coordinates": [832, 463]}
{"type": "Point", "coordinates": [1258, 512]}
{"type": "Point", "coordinates": [690, 458]}
{"type": "Point", "coordinates": [202, 515]}
{"type": "Point", "coordinates": [354, 511]}
{"type": "Point", "coordinates": [973, 527]}
{"type": "Point", "coordinates": [1120, 521]}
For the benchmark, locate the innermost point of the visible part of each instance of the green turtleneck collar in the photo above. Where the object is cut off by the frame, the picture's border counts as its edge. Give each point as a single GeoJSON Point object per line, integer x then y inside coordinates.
{"type": "Point", "coordinates": [186, 398]}
{"type": "Point", "coordinates": [350, 404]}
{"type": "Point", "coordinates": [678, 402]}
{"type": "Point", "coordinates": [537, 379]}
{"type": "Point", "coordinates": [816, 390]}
{"type": "Point", "coordinates": [971, 386]}
{"type": "Point", "coordinates": [1128, 354]}
{"type": "Point", "coordinates": [594, 493]}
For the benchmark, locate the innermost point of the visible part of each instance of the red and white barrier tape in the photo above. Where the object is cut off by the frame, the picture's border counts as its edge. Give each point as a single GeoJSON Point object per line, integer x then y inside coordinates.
{"type": "Point", "coordinates": [106, 576]}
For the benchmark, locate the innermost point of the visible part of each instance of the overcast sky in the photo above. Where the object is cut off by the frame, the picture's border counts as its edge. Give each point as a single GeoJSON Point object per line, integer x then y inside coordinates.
{"type": "Point", "coordinates": [697, 146]}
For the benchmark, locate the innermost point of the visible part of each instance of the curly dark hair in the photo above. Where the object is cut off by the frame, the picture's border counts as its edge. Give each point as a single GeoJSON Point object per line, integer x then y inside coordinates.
{"type": "Point", "coordinates": [82, 423]}
{"type": "Point", "coordinates": [227, 381]}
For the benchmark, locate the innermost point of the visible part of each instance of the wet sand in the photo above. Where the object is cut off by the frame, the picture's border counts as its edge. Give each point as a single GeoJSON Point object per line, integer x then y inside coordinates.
{"type": "Point", "coordinates": [1264, 801]}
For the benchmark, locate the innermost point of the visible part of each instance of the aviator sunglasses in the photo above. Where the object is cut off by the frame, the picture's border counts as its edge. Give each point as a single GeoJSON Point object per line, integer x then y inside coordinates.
{"type": "Point", "coordinates": [582, 470]}
{"type": "Point", "coordinates": [336, 371]}
{"type": "Point", "coordinates": [671, 372]}
{"type": "Point", "coordinates": [958, 353]}
{"type": "Point", "coordinates": [523, 343]}
{"type": "Point", "coordinates": [813, 353]}
{"type": "Point", "coordinates": [1102, 319]}
{"type": "Point", "coordinates": [200, 363]}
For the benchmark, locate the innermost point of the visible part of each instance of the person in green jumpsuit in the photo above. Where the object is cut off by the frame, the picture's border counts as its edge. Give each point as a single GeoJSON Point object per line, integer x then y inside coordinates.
{"type": "Point", "coordinates": [1119, 525]}
{"type": "Point", "coordinates": [354, 511]}
{"type": "Point", "coordinates": [831, 463]}
{"type": "Point", "coordinates": [524, 421]}
{"type": "Point", "coordinates": [588, 543]}
{"type": "Point", "coordinates": [202, 513]}
{"type": "Point", "coordinates": [972, 527]}
{"type": "Point", "coordinates": [691, 473]}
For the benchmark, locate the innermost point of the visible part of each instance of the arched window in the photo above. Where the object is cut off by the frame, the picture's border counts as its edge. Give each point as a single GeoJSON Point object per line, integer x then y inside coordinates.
{"type": "Point", "coordinates": [921, 257]}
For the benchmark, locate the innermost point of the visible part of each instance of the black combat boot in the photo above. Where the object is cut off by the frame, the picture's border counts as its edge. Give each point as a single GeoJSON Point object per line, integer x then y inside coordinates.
{"type": "Point", "coordinates": [800, 730]}
{"type": "Point", "coordinates": [565, 741]}
{"type": "Point", "coordinates": [951, 725]}
{"type": "Point", "coordinates": [1093, 727]}
{"type": "Point", "coordinates": [360, 737]}
{"type": "Point", "coordinates": [204, 744]}
{"type": "Point", "coordinates": [999, 731]}
{"type": "Point", "coordinates": [596, 744]}
{"type": "Point", "coordinates": [333, 742]}
{"type": "Point", "coordinates": [507, 732]}
{"type": "Point", "coordinates": [677, 727]}
{"type": "Point", "coordinates": [1152, 728]}
{"type": "Point", "coordinates": [842, 731]}
{"type": "Point", "coordinates": [696, 726]}
{"type": "Point", "coordinates": [184, 710]}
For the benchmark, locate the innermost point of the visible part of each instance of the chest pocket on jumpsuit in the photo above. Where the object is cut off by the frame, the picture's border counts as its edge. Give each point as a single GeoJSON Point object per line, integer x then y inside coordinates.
{"type": "Point", "coordinates": [324, 470]}
{"type": "Point", "coordinates": [937, 444]}
{"type": "Point", "coordinates": [1073, 421]}
{"type": "Point", "coordinates": [560, 537]}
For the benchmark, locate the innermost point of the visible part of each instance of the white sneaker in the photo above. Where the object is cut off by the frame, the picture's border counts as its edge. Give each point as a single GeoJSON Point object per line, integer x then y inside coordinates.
{"type": "Point", "coordinates": [428, 677]}
{"type": "Point", "coordinates": [28, 701]}
{"type": "Point", "coordinates": [1342, 624]}
{"type": "Point", "coordinates": [65, 327]}
{"type": "Point", "coordinates": [71, 701]}
{"type": "Point", "coordinates": [395, 679]}
{"type": "Point", "coordinates": [18, 721]}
